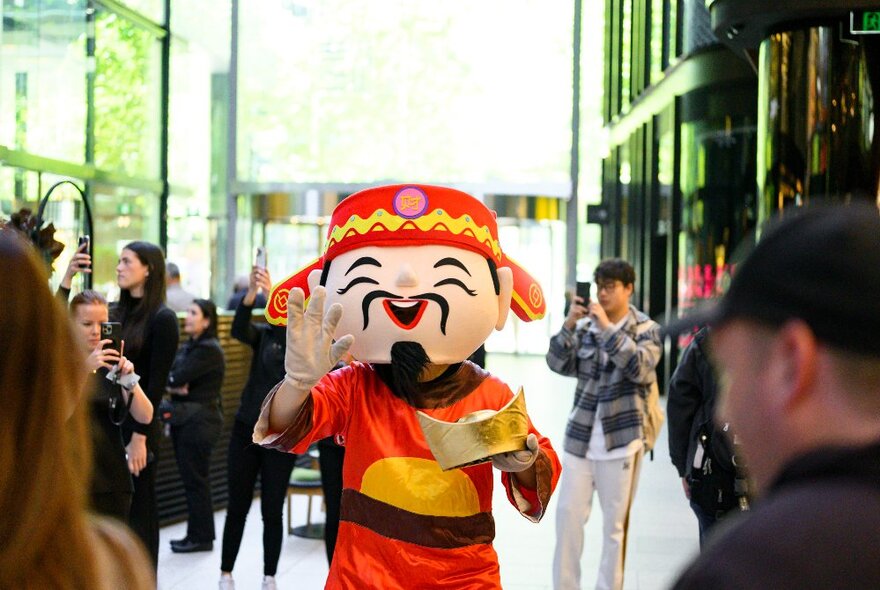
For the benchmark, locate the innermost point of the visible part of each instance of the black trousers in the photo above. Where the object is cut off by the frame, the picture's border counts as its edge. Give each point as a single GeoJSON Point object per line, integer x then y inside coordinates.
{"type": "Point", "coordinates": [332, 456]}
{"type": "Point", "coordinates": [193, 442]}
{"type": "Point", "coordinates": [144, 514]}
{"type": "Point", "coordinates": [245, 462]}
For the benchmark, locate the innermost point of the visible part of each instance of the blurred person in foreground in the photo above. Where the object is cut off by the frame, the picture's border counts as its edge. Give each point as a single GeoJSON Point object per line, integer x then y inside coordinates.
{"type": "Point", "coordinates": [796, 343]}
{"type": "Point", "coordinates": [48, 539]}
{"type": "Point", "coordinates": [613, 350]}
{"type": "Point", "coordinates": [194, 383]}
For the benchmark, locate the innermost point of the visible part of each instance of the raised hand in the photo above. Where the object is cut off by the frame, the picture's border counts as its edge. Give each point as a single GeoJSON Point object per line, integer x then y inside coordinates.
{"type": "Point", "coordinates": [311, 352]}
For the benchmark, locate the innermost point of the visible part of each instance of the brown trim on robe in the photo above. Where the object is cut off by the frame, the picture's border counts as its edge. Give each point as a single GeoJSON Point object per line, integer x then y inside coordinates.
{"type": "Point", "coordinates": [446, 391]}
{"type": "Point", "coordinates": [297, 429]}
{"type": "Point", "coordinates": [544, 476]}
{"type": "Point", "coordinates": [440, 532]}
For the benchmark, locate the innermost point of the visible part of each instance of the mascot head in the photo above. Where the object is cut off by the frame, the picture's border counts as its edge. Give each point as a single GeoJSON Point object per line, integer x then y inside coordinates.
{"type": "Point", "coordinates": [415, 264]}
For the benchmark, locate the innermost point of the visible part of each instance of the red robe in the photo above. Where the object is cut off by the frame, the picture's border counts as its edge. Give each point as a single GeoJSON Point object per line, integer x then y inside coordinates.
{"type": "Point", "coordinates": [405, 524]}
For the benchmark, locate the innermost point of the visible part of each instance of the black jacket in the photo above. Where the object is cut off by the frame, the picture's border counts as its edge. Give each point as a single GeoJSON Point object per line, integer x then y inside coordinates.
{"type": "Point", "coordinates": [691, 403]}
{"type": "Point", "coordinates": [818, 527]}
{"type": "Point", "coordinates": [200, 365]}
{"type": "Point", "coordinates": [267, 367]}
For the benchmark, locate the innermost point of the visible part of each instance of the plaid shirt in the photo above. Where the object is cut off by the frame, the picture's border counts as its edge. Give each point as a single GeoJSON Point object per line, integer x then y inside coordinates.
{"type": "Point", "coordinates": [615, 369]}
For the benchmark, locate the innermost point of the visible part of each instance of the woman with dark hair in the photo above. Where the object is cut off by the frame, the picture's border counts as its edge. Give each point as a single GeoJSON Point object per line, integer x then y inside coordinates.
{"type": "Point", "coordinates": [48, 538]}
{"type": "Point", "coordinates": [150, 332]}
{"type": "Point", "coordinates": [246, 460]}
{"type": "Point", "coordinates": [110, 403]}
{"type": "Point", "coordinates": [194, 384]}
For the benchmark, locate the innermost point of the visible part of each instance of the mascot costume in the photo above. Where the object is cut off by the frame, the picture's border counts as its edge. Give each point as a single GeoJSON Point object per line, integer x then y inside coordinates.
{"type": "Point", "coordinates": [412, 281]}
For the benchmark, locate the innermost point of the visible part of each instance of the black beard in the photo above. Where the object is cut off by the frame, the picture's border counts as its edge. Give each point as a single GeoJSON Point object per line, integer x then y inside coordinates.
{"type": "Point", "coordinates": [408, 361]}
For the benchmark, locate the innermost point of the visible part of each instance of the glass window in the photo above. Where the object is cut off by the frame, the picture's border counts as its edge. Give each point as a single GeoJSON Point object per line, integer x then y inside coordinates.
{"type": "Point", "coordinates": [357, 92]}
{"type": "Point", "coordinates": [127, 93]}
{"type": "Point", "coordinates": [152, 9]}
{"type": "Point", "coordinates": [42, 78]}
{"type": "Point", "coordinates": [121, 215]}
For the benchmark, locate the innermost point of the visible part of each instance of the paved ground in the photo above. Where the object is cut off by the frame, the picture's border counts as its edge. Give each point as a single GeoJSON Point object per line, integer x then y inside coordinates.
{"type": "Point", "coordinates": [663, 532]}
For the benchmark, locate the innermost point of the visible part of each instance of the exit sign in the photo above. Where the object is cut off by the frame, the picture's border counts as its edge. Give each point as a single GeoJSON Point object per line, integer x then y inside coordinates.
{"type": "Point", "coordinates": [865, 22]}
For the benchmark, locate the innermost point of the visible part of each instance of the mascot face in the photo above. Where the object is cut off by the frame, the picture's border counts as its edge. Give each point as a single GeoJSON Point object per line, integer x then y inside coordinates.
{"type": "Point", "coordinates": [439, 296]}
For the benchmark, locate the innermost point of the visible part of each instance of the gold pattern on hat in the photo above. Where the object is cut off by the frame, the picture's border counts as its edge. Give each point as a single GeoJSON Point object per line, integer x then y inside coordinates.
{"type": "Point", "coordinates": [474, 438]}
{"type": "Point", "coordinates": [438, 220]}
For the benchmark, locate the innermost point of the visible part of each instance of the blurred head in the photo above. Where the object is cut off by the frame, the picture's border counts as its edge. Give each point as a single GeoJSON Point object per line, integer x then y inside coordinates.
{"type": "Point", "coordinates": [173, 273]}
{"type": "Point", "coordinates": [42, 374]}
{"type": "Point", "coordinates": [89, 310]}
{"type": "Point", "coordinates": [201, 319]}
{"type": "Point", "coordinates": [795, 338]}
{"type": "Point", "coordinates": [615, 280]}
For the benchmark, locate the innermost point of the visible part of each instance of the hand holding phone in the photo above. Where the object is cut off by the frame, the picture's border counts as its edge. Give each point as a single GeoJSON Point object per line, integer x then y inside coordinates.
{"type": "Point", "coordinates": [260, 259]}
{"type": "Point", "coordinates": [583, 291]}
{"type": "Point", "coordinates": [112, 331]}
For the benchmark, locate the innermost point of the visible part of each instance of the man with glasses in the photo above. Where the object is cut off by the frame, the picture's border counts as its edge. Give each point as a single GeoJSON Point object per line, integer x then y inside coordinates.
{"type": "Point", "coordinates": [613, 349]}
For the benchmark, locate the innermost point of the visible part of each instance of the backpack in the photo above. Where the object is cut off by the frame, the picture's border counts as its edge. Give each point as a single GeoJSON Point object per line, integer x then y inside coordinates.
{"type": "Point", "coordinates": [715, 485]}
{"type": "Point", "coordinates": [654, 417]}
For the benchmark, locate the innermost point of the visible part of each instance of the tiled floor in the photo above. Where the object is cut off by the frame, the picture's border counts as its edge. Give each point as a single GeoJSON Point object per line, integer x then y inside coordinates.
{"type": "Point", "coordinates": [663, 531]}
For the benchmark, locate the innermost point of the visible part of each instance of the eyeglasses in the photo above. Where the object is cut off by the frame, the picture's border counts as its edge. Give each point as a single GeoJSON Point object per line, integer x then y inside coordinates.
{"type": "Point", "coordinates": [608, 287]}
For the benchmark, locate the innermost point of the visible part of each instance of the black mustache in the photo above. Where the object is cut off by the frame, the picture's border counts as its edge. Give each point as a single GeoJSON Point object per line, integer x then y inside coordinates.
{"type": "Point", "coordinates": [438, 299]}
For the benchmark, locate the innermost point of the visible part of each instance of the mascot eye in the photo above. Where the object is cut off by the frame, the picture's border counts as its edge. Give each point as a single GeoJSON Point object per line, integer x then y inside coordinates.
{"type": "Point", "coordinates": [357, 281]}
{"type": "Point", "coordinates": [457, 283]}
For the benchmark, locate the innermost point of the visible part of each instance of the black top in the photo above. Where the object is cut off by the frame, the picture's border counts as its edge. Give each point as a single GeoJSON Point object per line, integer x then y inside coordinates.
{"type": "Point", "coordinates": [818, 527]}
{"type": "Point", "coordinates": [238, 296]}
{"type": "Point", "coordinates": [200, 365]}
{"type": "Point", "coordinates": [152, 363]}
{"type": "Point", "coordinates": [267, 367]}
{"type": "Point", "coordinates": [110, 471]}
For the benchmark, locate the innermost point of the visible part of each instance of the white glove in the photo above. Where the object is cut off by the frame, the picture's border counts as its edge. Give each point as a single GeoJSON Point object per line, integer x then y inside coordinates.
{"type": "Point", "coordinates": [311, 352]}
{"type": "Point", "coordinates": [518, 460]}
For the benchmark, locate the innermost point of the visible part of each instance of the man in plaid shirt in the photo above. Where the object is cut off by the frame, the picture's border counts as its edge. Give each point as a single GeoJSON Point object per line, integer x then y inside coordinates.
{"type": "Point", "coordinates": [613, 349]}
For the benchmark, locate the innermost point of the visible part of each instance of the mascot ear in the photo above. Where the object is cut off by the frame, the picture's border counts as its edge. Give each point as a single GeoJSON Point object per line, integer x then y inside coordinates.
{"type": "Point", "coordinates": [505, 291]}
{"type": "Point", "coordinates": [314, 279]}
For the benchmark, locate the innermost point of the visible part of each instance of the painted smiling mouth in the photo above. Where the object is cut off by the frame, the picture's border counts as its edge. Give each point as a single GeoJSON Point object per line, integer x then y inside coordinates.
{"type": "Point", "coordinates": [406, 313]}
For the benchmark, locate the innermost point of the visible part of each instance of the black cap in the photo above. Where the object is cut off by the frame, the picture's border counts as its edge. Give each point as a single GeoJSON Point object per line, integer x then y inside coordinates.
{"type": "Point", "coordinates": [818, 264]}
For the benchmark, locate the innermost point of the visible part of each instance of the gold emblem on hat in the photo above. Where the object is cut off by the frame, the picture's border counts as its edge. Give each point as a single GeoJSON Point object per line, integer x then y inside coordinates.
{"type": "Point", "coordinates": [474, 438]}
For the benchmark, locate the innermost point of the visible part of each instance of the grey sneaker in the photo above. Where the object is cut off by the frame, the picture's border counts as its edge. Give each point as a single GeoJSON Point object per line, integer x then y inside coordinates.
{"type": "Point", "coordinates": [269, 583]}
{"type": "Point", "coordinates": [226, 583]}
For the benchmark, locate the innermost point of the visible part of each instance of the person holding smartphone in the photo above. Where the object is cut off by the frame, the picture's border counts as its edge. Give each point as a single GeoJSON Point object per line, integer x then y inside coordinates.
{"type": "Point", "coordinates": [246, 460]}
{"type": "Point", "coordinates": [80, 262]}
{"type": "Point", "coordinates": [149, 329]}
{"type": "Point", "coordinates": [112, 400]}
{"type": "Point", "coordinates": [613, 350]}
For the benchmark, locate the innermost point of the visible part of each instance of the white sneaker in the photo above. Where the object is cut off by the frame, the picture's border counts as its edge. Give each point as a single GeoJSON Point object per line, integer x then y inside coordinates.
{"type": "Point", "coordinates": [226, 583]}
{"type": "Point", "coordinates": [269, 583]}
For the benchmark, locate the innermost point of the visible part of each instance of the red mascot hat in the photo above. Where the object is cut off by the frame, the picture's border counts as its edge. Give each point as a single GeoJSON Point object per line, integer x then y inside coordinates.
{"type": "Point", "coordinates": [413, 215]}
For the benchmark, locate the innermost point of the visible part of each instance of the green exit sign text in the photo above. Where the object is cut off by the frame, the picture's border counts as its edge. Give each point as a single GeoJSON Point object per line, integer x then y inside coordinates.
{"type": "Point", "coordinates": [865, 22]}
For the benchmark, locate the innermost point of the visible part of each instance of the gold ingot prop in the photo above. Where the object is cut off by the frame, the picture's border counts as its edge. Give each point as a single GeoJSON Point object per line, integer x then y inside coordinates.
{"type": "Point", "coordinates": [474, 438]}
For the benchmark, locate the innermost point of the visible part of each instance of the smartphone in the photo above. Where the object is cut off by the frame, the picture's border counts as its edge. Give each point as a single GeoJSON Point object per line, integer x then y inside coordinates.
{"type": "Point", "coordinates": [260, 258]}
{"type": "Point", "coordinates": [113, 331]}
{"type": "Point", "coordinates": [83, 240]}
{"type": "Point", "coordinates": [583, 291]}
